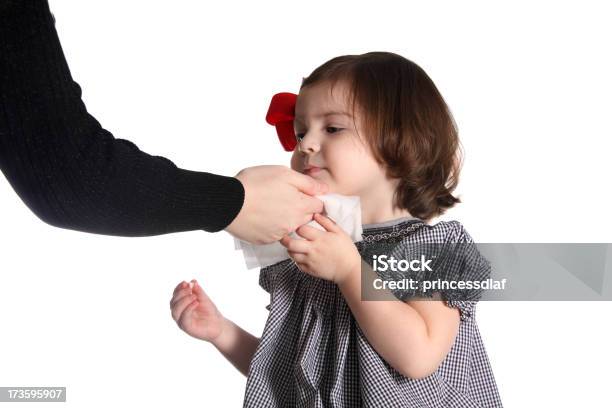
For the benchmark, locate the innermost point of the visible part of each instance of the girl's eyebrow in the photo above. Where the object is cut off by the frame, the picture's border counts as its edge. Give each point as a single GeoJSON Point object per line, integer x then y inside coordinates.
{"type": "Point", "coordinates": [329, 113]}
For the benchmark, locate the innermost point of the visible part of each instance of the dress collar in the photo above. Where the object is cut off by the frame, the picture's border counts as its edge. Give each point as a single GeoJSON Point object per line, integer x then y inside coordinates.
{"type": "Point", "coordinates": [391, 224]}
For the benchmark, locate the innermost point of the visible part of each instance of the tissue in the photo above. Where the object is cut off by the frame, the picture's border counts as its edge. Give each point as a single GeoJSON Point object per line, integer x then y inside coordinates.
{"type": "Point", "coordinates": [345, 211]}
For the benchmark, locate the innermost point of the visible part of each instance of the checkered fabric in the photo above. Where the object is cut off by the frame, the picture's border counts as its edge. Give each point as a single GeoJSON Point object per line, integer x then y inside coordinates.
{"type": "Point", "coordinates": [313, 353]}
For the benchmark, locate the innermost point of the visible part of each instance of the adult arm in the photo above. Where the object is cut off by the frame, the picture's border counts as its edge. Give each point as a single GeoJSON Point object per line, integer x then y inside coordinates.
{"type": "Point", "coordinates": [71, 172]}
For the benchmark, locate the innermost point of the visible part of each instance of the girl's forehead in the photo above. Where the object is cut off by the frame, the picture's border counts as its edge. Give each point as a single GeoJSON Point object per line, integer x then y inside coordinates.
{"type": "Point", "coordinates": [320, 99]}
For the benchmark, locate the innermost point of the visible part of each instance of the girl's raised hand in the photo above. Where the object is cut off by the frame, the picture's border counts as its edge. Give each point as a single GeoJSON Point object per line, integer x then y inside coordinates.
{"type": "Point", "coordinates": [329, 254]}
{"type": "Point", "coordinates": [195, 313]}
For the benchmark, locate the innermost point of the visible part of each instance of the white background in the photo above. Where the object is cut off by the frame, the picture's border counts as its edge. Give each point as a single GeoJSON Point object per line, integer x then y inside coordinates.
{"type": "Point", "coordinates": [529, 87]}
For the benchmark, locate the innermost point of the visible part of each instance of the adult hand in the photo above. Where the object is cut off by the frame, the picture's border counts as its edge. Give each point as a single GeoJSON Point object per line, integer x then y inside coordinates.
{"type": "Point", "coordinates": [277, 200]}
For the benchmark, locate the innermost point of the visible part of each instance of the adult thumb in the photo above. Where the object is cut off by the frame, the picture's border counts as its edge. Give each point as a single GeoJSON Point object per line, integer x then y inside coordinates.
{"type": "Point", "coordinates": [307, 184]}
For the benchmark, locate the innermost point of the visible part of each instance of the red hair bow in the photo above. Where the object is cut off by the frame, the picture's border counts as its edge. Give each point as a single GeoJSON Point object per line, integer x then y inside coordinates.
{"type": "Point", "coordinates": [281, 114]}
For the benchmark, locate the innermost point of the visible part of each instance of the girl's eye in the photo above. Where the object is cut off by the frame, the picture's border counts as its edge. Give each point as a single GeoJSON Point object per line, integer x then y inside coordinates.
{"type": "Point", "coordinates": [330, 129]}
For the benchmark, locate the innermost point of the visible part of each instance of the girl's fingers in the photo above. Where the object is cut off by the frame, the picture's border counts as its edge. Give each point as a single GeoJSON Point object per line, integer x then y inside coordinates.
{"type": "Point", "coordinates": [180, 286]}
{"type": "Point", "coordinates": [180, 295]}
{"type": "Point", "coordinates": [308, 232]}
{"type": "Point", "coordinates": [187, 312]}
{"type": "Point", "coordinates": [285, 240]}
{"type": "Point", "coordinates": [302, 267]}
{"type": "Point", "coordinates": [199, 292]}
{"type": "Point", "coordinates": [298, 258]}
{"type": "Point", "coordinates": [326, 222]}
{"type": "Point", "coordinates": [180, 306]}
{"type": "Point", "coordinates": [295, 245]}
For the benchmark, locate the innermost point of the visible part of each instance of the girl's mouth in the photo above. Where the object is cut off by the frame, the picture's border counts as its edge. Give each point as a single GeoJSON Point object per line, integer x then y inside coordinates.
{"type": "Point", "coordinates": [312, 170]}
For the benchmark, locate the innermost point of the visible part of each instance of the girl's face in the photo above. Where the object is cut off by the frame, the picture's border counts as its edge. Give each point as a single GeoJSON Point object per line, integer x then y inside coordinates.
{"type": "Point", "coordinates": [329, 147]}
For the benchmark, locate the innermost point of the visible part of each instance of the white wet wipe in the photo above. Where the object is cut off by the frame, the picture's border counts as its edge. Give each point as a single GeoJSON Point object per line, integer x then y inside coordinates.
{"type": "Point", "coordinates": [345, 211]}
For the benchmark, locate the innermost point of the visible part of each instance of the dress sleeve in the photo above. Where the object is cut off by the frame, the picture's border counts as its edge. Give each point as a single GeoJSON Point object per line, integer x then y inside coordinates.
{"type": "Point", "coordinates": [268, 276]}
{"type": "Point", "coordinates": [69, 170]}
{"type": "Point", "coordinates": [471, 266]}
{"type": "Point", "coordinates": [455, 258]}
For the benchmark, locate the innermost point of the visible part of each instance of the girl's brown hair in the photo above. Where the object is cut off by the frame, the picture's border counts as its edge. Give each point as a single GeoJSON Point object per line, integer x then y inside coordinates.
{"type": "Point", "coordinates": [408, 126]}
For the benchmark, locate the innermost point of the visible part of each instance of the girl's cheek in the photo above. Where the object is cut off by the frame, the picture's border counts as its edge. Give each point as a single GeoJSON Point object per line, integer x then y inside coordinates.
{"type": "Point", "coordinates": [296, 163]}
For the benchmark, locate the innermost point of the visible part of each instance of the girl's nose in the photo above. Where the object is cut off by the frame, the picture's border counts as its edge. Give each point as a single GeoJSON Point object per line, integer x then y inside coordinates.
{"type": "Point", "coordinates": [310, 143]}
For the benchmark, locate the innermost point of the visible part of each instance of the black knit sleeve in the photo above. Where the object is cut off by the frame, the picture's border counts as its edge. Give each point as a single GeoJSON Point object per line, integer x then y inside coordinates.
{"type": "Point", "coordinates": [71, 172]}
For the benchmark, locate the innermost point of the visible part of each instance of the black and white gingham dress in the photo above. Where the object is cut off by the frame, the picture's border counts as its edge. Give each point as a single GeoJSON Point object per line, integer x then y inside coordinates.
{"type": "Point", "coordinates": [313, 353]}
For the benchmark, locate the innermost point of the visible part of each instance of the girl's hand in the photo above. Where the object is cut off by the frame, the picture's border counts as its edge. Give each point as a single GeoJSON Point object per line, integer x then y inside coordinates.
{"type": "Point", "coordinates": [195, 313]}
{"type": "Point", "coordinates": [329, 254]}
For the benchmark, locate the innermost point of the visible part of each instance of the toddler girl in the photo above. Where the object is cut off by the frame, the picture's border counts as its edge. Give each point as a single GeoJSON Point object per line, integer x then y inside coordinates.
{"type": "Point", "coordinates": [373, 126]}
